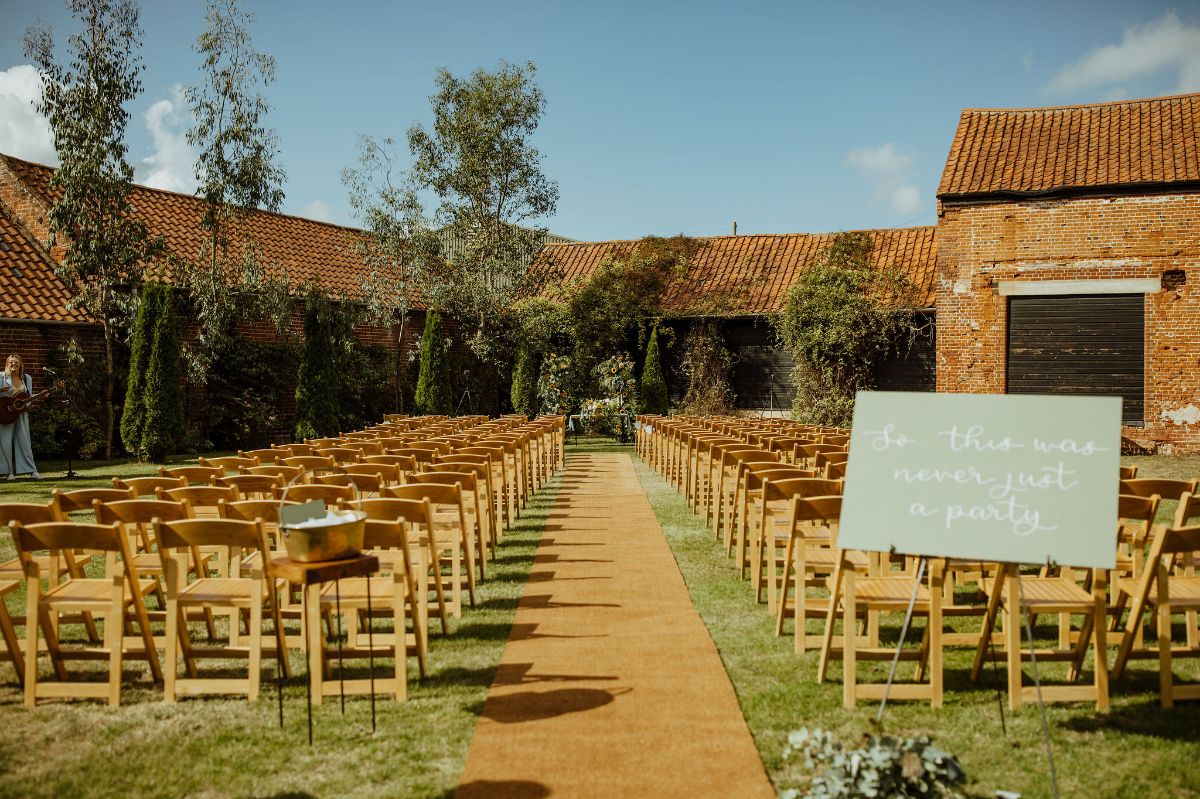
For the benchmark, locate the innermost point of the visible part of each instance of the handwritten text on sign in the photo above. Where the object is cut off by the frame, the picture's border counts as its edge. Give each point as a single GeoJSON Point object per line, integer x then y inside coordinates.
{"type": "Point", "coordinates": [1022, 479]}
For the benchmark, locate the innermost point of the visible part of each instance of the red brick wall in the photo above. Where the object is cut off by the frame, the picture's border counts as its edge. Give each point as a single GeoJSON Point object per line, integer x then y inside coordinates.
{"type": "Point", "coordinates": [1075, 239]}
{"type": "Point", "coordinates": [38, 345]}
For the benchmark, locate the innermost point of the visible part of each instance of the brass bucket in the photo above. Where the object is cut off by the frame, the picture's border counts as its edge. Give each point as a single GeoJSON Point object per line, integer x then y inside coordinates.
{"type": "Point", "coordinates": [321, 542]}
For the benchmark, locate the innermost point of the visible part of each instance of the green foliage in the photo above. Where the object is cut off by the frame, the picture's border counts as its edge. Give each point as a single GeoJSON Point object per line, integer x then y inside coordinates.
{"type": "Point", "coordinates": [608, 310]}
{"type": "Point", "coordinates": [84, 103]}
{"type": "Point", "coordinates": [238, 173]}
{"type": "Point", "coordinates": [554, 384]}
{"type": "Point", "coordinates": [162, 396]}
{"type": "Point", "coordinates": [370, 370]}
{"type": "Point", "coordinates": [524, 381]}
{"type": "Point", "coordinates": [53, 434]}
{"type": "Point", "coordinates": [318, 384]}
{"type": "Point", "coordinates": [840, 320]}
{"type": "Point", "coordinates": [904, 768]}
{"type": "Point", "coordinates": [133, 414]}
{"type": "Point", "coordinates": [245, 391]}
{"type": "Point", "coordinates": [706, 364]}
{"type": "Point", "coordinates": [612, 414]}
{"type": "Point", "coordinates": [469, 255]}
{"type": "Point", "coordinates": [433, 394]}
{"type": "Point", "coordinates": [542, 324]}
{"type": "Point", "coordinates": [654, 383]}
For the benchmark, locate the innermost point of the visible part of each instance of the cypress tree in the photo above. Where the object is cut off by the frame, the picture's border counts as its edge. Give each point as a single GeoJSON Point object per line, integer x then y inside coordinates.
{"type": "Point", "coordinates": [433, 381]}
{"type": "Point", "coordinates": [524, 382]}
{"type": "Point", "coordinates": [162, 427]}
{"type": "Point", "coordinates": [654, 384]}
{"type": "Point", "coordinates": [133, 414]}
{"type": "Point", "coordinates": [317, 382]}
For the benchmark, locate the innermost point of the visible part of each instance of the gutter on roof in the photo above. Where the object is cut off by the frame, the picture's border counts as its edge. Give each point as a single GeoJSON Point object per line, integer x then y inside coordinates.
{"type": "Point", "coordinates": [1070, 192]}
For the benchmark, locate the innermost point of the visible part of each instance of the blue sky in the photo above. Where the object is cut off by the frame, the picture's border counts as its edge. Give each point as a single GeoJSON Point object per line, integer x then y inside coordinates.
{"type": "Point", "coordinates": [661, 118]}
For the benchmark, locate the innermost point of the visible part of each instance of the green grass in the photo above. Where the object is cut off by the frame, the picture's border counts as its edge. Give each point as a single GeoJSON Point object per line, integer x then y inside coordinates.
{"type": "Point", "coordinates": [1135, 750]}
{"type": "Point", "coordinates": [216, 746]}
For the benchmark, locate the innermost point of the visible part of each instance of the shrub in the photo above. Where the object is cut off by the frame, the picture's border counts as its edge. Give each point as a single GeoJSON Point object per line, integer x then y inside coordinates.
{"type": "Point", "coordinates": [133, 414]}
{"type": "Point", "coordinates": [245, 393]}
{"type": "Point", "coordinates": [51, 436]}
{"type": "Point", "coordinates": [654, 383]}
{"type": "Point", "coordinates": [371, 370]}
{"type": "Point", "coordinates": [318, 384]}
{"type": "Point", "coordinates": [162, 426]}
{"type": "Point", "coordinates": [840, 320]}
{"type": "Point", "coordinates": [524, 381]}
{"type": "Point", "coordinates": [433, 381]}
{"type": "Point", "coordinates": [705, 364]}
{"type": "Point", "coordinates": [905, 768]}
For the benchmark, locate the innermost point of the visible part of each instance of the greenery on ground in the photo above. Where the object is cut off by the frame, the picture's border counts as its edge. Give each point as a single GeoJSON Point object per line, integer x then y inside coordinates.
{"type": "Point", "coordinates": [1136, 750]}
{"type": "Point", "coordinates": [214, 746]}
{"type": "Point", "coordinates": [841, 319]}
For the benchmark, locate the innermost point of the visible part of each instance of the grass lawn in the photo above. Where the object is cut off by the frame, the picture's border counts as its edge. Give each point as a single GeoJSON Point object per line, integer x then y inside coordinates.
{"type": "Point", "coordinates": [1135, 750]}
{"type": "Point", "coordinates": [209, 747]}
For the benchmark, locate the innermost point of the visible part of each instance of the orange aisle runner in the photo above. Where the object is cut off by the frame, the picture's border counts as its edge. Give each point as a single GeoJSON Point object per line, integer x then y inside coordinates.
{"type": "Point", "coordinates": [609, 684]}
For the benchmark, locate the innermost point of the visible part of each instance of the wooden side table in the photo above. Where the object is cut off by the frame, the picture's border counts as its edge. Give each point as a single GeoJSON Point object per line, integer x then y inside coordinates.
{"type": "Point", "coordinates": [310, 577]}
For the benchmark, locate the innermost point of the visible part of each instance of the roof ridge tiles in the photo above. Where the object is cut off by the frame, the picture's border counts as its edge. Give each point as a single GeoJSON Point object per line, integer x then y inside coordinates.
{"type": "Point", "coordinates": [1079, 106]}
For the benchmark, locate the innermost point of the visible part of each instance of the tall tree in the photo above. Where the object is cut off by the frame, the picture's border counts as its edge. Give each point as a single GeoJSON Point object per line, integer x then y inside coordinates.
{"type": "Point", "coordinates": [162, 396]}
{"type": "Point", "coordinates": [141, 343]}
{"type": "Point", "coordinates": [654, 383]}
{"type": "Point", "coordinates": [467, 256]}
{"type": "Point", "coordinates": [433, 382]}
{"type": "Point", "coordinates": [238, 174]}
{"type": "Point", "coordinates": [318, 382]}
{"type": "Point", "coordinates": [106, 246]}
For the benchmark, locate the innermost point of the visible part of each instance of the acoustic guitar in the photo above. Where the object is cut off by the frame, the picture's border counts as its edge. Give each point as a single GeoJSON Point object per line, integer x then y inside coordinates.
{"type": "Point", "coordinates": [11, 407]}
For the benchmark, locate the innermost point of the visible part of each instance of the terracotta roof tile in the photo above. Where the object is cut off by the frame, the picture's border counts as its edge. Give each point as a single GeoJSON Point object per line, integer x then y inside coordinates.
{"type": "Point", "coordinates": [1038, 150]}
{"type": "Point", "coordinates": [306, 249]}
{"type": "Point", "coordinates": [29, 288]}
{"type": "Point", "coordinates": [752, 272]}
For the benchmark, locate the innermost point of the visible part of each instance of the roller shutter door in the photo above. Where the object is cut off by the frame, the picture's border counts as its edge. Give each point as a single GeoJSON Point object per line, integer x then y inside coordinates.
{"type": "Point", "coordinates": [1089, 344]}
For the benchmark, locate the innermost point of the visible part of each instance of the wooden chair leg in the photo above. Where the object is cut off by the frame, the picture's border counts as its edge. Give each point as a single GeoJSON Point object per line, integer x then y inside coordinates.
{"type": "Point", "coordinates": [849, 656]}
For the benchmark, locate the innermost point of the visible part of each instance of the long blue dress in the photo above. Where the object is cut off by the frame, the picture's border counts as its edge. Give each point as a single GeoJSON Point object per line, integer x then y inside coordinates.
{"type": "Point", "coordinates": [16, 450]}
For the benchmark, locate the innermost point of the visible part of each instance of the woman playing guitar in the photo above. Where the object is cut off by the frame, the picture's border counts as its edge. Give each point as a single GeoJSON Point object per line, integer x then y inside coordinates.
{"type": "Point", "coordinates": [16, 451]}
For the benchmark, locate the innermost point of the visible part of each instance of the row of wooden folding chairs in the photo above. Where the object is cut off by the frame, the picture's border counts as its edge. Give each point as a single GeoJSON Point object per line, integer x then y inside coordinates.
{"type": "Point", "coordinates": [171, 489]}
{"type": "Point", "coordinates": [792, 514]}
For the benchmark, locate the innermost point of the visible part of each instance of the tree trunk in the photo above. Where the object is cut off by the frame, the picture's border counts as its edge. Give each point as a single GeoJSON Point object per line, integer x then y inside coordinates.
{"type": "Point", "coordinates": [109, 379]}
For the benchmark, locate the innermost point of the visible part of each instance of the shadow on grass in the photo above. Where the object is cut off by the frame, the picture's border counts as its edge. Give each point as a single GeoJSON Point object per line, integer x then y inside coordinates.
{"type": "Point", "coordinates": [1182, 723]}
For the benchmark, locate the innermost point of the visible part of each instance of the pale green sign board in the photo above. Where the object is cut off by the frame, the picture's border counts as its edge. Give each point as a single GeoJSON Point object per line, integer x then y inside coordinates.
{"type": "Point", "coordinates": [1012, 478]}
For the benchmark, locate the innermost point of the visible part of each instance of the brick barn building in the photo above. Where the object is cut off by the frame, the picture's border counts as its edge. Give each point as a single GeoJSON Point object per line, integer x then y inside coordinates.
{"type": "Point", "coordinates": [1068, 259]}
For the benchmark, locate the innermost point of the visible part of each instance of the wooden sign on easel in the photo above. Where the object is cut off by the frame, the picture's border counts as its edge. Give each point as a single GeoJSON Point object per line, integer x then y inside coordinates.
{"type": "Point", "coordinates": [1009, 478]}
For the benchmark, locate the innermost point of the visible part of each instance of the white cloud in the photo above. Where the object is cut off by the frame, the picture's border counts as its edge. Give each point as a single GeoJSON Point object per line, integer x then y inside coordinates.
{"type": "Point", "coordinates": [316, 210]}
{"type": "Point", "coordinates": [172, 164]}
{"type": "Point", "coordinates": [888, 170]}
{"type": "Point", "coordinates": [885, 158]}
{"type": "Point", "coordinates": [1163, 46]}
{"type": "Point", "coordinates": [905, 199]}
{"type": "Point", "coordinates": [24, 132]}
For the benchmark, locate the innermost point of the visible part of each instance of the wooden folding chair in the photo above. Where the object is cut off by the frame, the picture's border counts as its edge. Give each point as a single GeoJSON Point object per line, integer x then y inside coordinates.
{"type": "Point", "coordinates": [81, 499]}
{"type": "Point", "coordinates": [329, 494]}
{"type": "Point", "coordinates": [116, 599]}
{"type": "Point", "coordinates": [451, 536]}
{"type": "Point", "coordinates": [884, 593]}
{"type": "Point", "coordinates": [253, 486]}
{"type": "Point", "coordinates": [367, 483]}
{"type": "Point", "coordinates": [472, 508]}
{"type": "Point", "coordinates": [263, 456]}
{"type": "Point", "coordinates": [230, 592]}
{"type": "Point", "coordinates": [340, 455]}
{"type": "Point", "coordinates": [286, 473]}
{"type": "Point", "coordinates": [774, 531]}
{"type": "Point", "coordinates": [400, 592]}
{"type": "Point", "coordinates": [304, 462]}
{"type": "Point", "coordinates": [147, 486]}
{"type": "Point", "coordinates": [194, 475]}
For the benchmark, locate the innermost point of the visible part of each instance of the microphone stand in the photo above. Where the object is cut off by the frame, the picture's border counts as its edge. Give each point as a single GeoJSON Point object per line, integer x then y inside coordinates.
{"type": "Point", "coordinates": [70, 437]}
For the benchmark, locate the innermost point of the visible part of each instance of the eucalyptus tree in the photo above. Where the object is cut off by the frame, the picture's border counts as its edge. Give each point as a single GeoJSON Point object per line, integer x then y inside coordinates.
{"type": "Point", "coordinates": [470, 253]}
{"type": "Point", "coordinates": [106, 246]}
{"type": "Point", "coordinates": [238, 173]}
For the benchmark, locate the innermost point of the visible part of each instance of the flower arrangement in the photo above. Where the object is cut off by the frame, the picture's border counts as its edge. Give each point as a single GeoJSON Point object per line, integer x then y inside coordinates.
{"type": "Point", "coordinates": [553, 385]}
{"type": "Point", "coordinates": [613, 413]}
